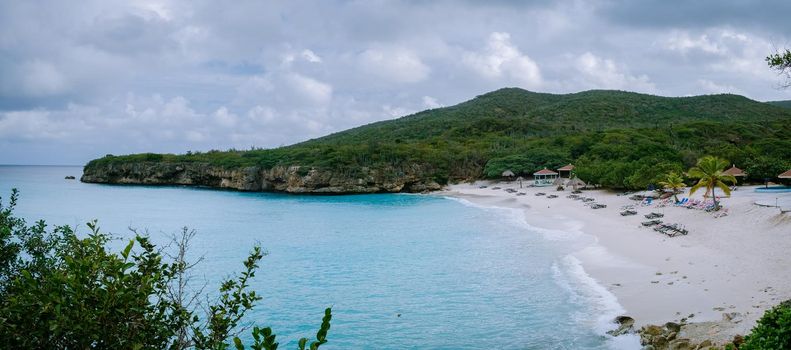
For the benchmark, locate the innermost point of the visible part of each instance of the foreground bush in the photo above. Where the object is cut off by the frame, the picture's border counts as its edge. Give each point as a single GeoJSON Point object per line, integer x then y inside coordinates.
{"type": "Point", "coordinates": [60, 291]}
{"type": "Point", "coordinates": [773, 330]}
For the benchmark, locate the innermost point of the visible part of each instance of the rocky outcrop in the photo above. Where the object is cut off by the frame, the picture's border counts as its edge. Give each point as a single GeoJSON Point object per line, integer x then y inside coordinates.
{"type": "Point", "coordinates": [293, 179]}
{"type": "Point", "coordinates": [625, 326]}
{"type": "Point", "coordinates": [686, 336]}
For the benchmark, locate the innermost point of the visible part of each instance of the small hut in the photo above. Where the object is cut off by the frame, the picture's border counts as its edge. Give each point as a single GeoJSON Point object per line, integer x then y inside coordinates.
{"type": "Point", "coordinates": [785, 176]}
{"type": "Point", "coordinates": [544, 177]}
{"type": "Point", "coordinates": [566, 169]}
{"type": "Point", "coordinates": [735, 172]}
{"type": "Point", "coordinates": [508, 175]}
{"type": "Point", "coordinates": [576, 183]}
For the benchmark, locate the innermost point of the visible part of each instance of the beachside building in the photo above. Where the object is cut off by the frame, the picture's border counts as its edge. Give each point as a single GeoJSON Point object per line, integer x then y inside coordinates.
{"type": "Point", "coordinates": [508, 175]}
{"type": "Point", "coordinates": [786, 175]}
{"type": "Point", "coordinates": [735, 172]}
{"type": "Point", "coordinates": [544, 177]}
{"type": "Point", "coordinates": [566, 170]}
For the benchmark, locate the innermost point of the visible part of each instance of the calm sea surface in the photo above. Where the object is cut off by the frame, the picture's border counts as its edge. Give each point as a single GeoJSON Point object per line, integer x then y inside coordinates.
{"type": "Point", "coordinates": [461, 277]}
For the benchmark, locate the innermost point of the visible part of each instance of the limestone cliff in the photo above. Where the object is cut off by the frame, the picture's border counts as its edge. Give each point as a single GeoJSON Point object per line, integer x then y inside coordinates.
{"type": "Point", "coordinates": [293, 179]}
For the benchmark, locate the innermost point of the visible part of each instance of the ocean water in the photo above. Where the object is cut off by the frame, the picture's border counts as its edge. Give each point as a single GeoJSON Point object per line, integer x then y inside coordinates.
{"type": "Point", "coordinates": [459, 276]}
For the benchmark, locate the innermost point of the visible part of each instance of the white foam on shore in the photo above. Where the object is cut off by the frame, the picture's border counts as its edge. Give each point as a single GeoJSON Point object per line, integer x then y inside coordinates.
{"type": "Point", "coordinates": [570, 275]}
{"type": "Point", "coordinates": [604, 306]}
{"type": "Point", "coordinates": [517, 217]}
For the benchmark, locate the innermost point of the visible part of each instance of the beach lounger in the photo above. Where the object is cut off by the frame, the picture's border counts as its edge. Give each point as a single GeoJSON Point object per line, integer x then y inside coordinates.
{"type": "Point", "coordinates": [651, 222]}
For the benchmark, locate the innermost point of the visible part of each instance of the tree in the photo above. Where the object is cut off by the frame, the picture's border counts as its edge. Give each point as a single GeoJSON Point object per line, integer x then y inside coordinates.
{"type": "Point", "coordinates": [709, 171]}
{"type": "Point", "coordinates": [60, 291]}
{"type": "Point", "coordinates": [781, 62]}
{"type": "Point", "coordinates": [673, 182]}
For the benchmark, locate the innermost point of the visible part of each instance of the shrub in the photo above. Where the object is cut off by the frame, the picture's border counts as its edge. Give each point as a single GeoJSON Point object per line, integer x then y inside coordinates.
{"type": "Point", "coordinates": [60, 291]}
{"type": "Point", "coordinates": [773, 330]}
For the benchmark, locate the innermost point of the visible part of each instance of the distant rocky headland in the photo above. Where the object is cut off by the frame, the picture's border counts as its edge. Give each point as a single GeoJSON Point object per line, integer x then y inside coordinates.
{"type": "Point", "coordinates": [291, 179]}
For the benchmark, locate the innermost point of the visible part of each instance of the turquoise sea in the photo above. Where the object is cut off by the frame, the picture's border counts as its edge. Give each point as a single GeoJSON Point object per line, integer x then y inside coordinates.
{"type": "Point", "coordinates": [460, 276]}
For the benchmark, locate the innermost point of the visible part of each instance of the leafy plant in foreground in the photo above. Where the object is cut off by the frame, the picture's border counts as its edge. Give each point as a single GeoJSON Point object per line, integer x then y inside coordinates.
{"type": "Point", "coordinates": [60, 291]}
{"type": "Point", "coordinates": [773, 330]}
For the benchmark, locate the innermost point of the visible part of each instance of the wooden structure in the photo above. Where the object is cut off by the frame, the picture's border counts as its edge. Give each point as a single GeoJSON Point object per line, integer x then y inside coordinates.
{"type": "Point", "coordinates": [566, 169]}
{"type": "Point", "coordinates": [544, 177]}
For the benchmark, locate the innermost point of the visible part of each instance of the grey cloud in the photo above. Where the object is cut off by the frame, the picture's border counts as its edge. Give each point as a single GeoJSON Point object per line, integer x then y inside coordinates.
{"type": "Point", "coordinates": [771, 15]}
{"type": "Point", "coordinates": [171, 75]}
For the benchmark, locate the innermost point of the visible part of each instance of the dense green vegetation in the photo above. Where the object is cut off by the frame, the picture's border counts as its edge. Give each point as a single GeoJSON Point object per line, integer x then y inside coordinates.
{"type": "Point", "coordinates": [786, 103]}
{"type": "Point", "coordinates": [60, 291]}
{"type": "Point", "coordinates": [616, 139]}
{"type": "Point", "coordinates": [773, 330]}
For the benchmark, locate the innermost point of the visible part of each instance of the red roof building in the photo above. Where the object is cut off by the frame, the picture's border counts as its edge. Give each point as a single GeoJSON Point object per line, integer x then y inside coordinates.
{"type": "Point", "coordinates": [545, 171]}
{"type": "Point", "coordinates": [566, 168]}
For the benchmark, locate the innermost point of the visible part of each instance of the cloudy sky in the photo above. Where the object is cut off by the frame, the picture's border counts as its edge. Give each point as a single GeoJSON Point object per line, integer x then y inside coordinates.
{"type": "Point", "coordinates": [82, 79]}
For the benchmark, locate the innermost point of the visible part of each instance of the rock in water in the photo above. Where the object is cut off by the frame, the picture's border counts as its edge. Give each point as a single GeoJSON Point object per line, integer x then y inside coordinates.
{"type": "Point", "coordinates": [625, 325]}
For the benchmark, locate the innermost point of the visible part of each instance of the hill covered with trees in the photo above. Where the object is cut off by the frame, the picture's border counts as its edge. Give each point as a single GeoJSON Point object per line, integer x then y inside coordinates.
{"type": "Point", "coordinates": [616, 139]}
{"type": "Point", "coordinates": [785, 103]}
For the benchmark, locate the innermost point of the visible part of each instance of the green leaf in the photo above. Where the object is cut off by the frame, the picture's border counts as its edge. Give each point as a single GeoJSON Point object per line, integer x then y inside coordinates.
{"type": "Point", "coordinates": [128, 248]}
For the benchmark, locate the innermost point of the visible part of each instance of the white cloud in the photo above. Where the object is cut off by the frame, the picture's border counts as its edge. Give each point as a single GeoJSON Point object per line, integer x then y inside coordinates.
{"type": "Point", "coordinates": [310, 56]}
{"type": "Point", "coordinates": [683, 42]}
{"type": "Point", "coordinates": [314, 90]}
{"type": "Point", "coordinates": [503, 60]}
{"type": "Point", "coordinates": [600, 73]}
{"type": "Point", "coordinates": [712, 87]}
{"type": "Point", "coordinates": [395, 112]}
{"type": "Point", "coordinates": [225, 118]}
{"type": "Point", "coordinates": [395, 64]}
{"type": "Point", "coordinates": [430, 102]}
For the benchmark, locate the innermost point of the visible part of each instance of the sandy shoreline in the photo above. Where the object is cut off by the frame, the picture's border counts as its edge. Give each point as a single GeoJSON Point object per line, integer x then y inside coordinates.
{"type": "Point", "coordinates": [736, 263]}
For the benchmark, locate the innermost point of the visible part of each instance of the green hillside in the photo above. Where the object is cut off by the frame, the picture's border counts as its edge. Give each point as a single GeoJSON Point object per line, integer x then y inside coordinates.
{"type": "Point", "coordinates": [617, 139]}
{"type": "Point", "coordinates": [786, 103]}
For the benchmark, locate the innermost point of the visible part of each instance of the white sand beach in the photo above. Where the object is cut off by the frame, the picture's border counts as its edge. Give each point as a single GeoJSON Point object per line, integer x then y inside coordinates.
{"type": "Point", "coordinates": [735, 263]}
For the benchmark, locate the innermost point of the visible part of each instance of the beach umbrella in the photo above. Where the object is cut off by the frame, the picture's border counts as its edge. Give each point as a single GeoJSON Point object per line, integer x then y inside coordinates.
{"type": "Point", "coordinates": [520, 179]}
{"type": "Point", "coordinates": [508, 173]}
{"type": "Point", "coordinates": [575, 183]}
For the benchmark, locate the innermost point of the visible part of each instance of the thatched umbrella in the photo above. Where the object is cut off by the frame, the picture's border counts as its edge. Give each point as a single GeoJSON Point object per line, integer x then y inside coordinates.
{"type": "Point", "coordinates": [508, 173]}
{"type": "Point", "coordinates": [559, 181]}
{"type": "Point", "coordinates": [520, 179]}
{"type": "Point", "coordinates": [575, 182]}
{"type": "Point", "coordinates": [735, 172]}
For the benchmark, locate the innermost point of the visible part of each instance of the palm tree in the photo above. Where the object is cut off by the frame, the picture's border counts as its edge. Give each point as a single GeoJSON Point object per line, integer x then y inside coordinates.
{"type": "Point", "coordinates": [673, 182]}
{"type": "Point", "coordinates": [710, 172]}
